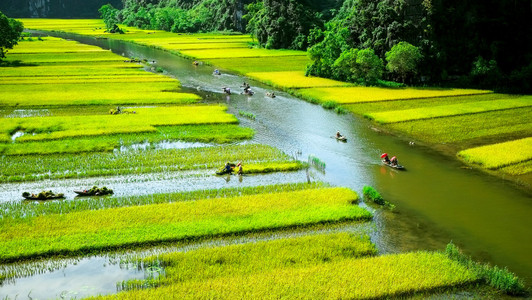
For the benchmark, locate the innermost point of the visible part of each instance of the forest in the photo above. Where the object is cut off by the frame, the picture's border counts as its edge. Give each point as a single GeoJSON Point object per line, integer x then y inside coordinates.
{"type": "Point", "coordinates": [481, 44]}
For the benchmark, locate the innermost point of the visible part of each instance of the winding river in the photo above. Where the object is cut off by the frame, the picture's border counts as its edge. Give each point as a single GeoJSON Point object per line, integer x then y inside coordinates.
{"type": "Point", "coordinates": [437, 199]}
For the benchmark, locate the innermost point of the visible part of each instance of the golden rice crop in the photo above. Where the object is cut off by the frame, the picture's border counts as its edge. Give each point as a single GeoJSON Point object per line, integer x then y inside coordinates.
{"type": "Point", "coordinates": [262, 256]}
{"type": "Point", "coordinates": [518, 169]}
{"type": "Point", "coordinates": [86, 231]}
{"type": "Point", "coordinates": [237, 53]}
{"type": "Point", "coordinates": [97, 69]}
{"type": "Point", "coordinates": [144, 120]}
{"type": "Point", "coordinates": [54, 58]}
{"type": "Point", "coordinates": [448, 110]}
{"type": "Point", "coordinates": [129, 78]}
{"type": "Point", "coordinates": [464, 128]}
{"type": "Point", "coordinates": [247, 65]}
{"type": "Point", "coordinates": [499, 155]}
{"type": "Point", "coordinates": [379, 277]}
{"type": "Point", "coordinates": [369, 94]}
{"type": "Point", "coordinates": [201, 46]}
{"type": "Point", "coordinates": [294, 79]}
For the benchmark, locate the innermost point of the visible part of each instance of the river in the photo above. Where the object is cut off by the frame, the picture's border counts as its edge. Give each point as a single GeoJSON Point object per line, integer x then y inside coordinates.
{"type": "Point", "coordinates": [437, 200]}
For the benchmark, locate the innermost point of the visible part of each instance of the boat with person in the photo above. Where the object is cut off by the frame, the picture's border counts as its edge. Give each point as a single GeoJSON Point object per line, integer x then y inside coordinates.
{"type": "Point", "coordinates": [44, 195]}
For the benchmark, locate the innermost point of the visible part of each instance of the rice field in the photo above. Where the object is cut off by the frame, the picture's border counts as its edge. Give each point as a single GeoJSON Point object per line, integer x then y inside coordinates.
{"type": "Point", "coordinates": [338, 276]}
{"type": "Point", "coordinates": [37, 167]}
{"type": "Point", "coordinates": [465, 130]}
{"type": "Point", "coordinates": [217, 133]}
{"type": "Point", "coordinates": [89, 231]}
{"type": "Point", "coordinates": [499, 155]}
{"type": "Point", "coordinates": [237, 53]}
{"type": "Point", "coordinates": [262, 64]}
{"type": "Point", "coordinates": [143, 120]}
{"type": "Point", "coordinates": [293, 79]}
{"type": "Point", "coordinates": [21, 211]}
{"type": "Point", "coordinates": [263, 256]}
{"type": "Point", "coordinates": [448, 110]}
{"type": "Point", "coordinates": [349, 95]}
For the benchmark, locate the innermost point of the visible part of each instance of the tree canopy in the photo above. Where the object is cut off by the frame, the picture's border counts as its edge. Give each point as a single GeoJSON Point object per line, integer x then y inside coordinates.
{"type": "Point", "coordinates": [10, 31]}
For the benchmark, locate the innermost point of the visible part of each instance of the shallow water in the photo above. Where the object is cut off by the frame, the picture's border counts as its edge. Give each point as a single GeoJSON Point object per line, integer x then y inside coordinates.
{"type": "Point", "coordinates": [437, 199]}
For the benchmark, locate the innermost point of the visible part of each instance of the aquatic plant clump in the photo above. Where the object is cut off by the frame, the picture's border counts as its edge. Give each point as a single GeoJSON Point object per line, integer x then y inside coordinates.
{"type": "Point", "coordinates": [94, 231]}
{"type": "Point", "coordinates": [371, 194]}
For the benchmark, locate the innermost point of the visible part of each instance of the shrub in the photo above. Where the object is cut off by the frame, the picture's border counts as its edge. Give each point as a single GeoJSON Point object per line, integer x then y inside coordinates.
{"type": "Point", "coordinates": [372, 194]}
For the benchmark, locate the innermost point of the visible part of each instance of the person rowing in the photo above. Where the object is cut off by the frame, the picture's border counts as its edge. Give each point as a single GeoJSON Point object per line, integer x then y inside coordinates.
{"type": "Point", "coordinates": [385, 158]}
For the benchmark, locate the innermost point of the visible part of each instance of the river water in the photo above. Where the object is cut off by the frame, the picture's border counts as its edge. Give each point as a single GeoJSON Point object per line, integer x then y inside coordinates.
{"type": "Point", "coordinates": [437, 200]}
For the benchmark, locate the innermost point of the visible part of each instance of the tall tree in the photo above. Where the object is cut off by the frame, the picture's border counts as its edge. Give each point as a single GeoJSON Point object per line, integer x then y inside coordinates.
{"type": "Point", "coordinates": [10, 31]}
{"type": "Point", "coordinates": [403, 60]}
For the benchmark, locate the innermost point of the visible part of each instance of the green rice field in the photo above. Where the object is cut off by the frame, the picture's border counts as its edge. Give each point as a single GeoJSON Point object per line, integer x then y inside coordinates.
{"type": "Point", "coordinates": [38, 167]}
{"type": "Point", "coordinates": [499, 155]}
{"type": "Point", "coordinates": [448, 110]}
{"type": "Point", "coordinates": [87, 231]}
{"type": "Point", "coordinates": [331, 266]}
{"type": "Point", "coordinates": [350, 95]}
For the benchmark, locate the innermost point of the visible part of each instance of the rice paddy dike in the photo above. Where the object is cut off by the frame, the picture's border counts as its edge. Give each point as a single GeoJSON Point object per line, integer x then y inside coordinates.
{"type": "Point", "coordinates": [339, 265]}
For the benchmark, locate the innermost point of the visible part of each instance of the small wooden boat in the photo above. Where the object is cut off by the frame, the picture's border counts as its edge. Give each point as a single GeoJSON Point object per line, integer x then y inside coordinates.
{"type": "Point", "coordinates": [224, 171]}
{"type": "Point", "coordinates": [42, 196]}
{"type": "Point", "coordinates": [341, 138]}
{"type": "Point", "coordinates": [398, 166]}
{"type": "Point", "coordinates": [95, 191]}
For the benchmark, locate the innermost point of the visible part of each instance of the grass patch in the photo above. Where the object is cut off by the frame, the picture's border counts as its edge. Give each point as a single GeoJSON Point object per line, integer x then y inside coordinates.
{"type": "Point", "coordinates": [346, 95]}
{"type": "Point", "coordinates": [499, 155]}
{"type": "Point", "coordinates": [88, 231]}
{"type": "Point", "coordinates": [294, 79]}
{"type": "Point", "coordinates": [448, 110]}
{"type": "Point", "coordinates": [246, 114]}
{"type": "Point", "coordinates": [34, 167]}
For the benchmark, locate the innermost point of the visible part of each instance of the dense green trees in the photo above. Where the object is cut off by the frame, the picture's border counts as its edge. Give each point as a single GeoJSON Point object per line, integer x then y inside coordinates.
{"type": "Point", "coordinates": [403, 60]}
{"type": "Point", "coordinates": [281, 23]}
{"type": "Point", "coordinates": [184, 16]}
{"type": "Point", "coordinates": [477, 43]}
{"type": "Point", "coordinates": [10, 31]}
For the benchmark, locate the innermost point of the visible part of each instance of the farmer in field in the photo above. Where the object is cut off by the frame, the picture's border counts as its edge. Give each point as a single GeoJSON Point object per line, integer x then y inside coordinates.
{"type": "Point", "coordinates": [227, 168]}
{"type": "Point", "coordinates": [239, 165]}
